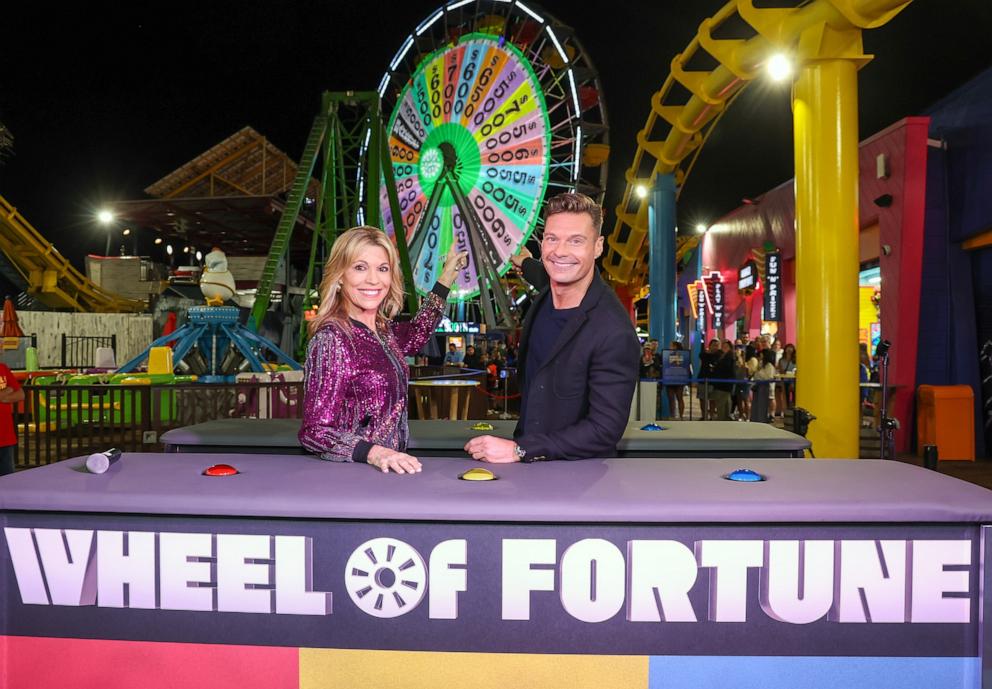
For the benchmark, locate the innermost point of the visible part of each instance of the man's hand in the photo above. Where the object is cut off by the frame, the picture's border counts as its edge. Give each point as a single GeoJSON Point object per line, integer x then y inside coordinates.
{"type": "Point", "coordinates": [487, 448]}
{"type": "Point", "coordinates": [384, 459]}
{"type": "Point", "coordinates": [518, 259]}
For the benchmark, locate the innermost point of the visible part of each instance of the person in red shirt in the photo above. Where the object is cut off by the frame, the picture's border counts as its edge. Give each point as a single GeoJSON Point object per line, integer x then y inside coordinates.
{"type": "Point", "coordinates": [10, 394]}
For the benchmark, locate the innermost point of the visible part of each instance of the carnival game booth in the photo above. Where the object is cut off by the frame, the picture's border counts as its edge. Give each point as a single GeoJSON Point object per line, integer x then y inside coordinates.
{"type": "Point", "coordinates": [684, 439]}
{"type": "Point", "coordinates": [296, 572]}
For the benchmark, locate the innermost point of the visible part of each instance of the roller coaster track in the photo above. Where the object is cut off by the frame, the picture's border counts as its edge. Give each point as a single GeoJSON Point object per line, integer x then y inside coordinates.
{"type": "Point", "coordinates": [46, 275]}
{"type": "Point", "coordinates": [675, 132]}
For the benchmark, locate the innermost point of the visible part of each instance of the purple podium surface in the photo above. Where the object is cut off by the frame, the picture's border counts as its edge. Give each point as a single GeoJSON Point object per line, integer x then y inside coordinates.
{"type": "Point", "coordinates": [672, 439]}
{"type": "Point", "coordinates": [863, 569]}
{"type": "Point", "coordinates": [598, 490]}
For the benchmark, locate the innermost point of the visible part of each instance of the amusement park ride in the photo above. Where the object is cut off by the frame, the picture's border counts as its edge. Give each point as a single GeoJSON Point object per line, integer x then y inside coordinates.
{"type": "Point", "coordinates": [491, 104]}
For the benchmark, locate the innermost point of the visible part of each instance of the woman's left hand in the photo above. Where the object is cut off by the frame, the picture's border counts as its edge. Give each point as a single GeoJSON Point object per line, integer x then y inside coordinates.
{"type": "Point", "coordinates": [455, 261]}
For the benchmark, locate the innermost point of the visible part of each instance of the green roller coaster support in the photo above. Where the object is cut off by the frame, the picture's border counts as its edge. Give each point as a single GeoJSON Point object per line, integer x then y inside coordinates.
{"type": "Point", "coordinates": [280, 243]}
{"type": "Point", "coordinates": [349, 137]}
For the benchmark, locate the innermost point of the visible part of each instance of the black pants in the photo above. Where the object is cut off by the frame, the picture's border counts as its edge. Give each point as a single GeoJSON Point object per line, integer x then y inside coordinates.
{"type": "Point", "coordinates": [7, 459]}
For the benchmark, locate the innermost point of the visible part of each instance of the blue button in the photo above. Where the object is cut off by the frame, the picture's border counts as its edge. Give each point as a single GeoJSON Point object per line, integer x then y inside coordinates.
{"type": "Point", "coordinates": [745, 475]}
{"type": "Point", "coordinates": [653, 427]}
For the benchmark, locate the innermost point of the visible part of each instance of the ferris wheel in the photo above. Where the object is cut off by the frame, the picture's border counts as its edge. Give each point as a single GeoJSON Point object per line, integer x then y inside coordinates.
{"type": "Point", "coordinates": [494, 105]}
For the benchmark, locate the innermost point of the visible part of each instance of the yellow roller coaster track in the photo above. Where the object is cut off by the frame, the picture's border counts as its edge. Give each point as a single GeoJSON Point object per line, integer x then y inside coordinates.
{"type": "Point", "coordinates": [49, 276]}
{"type": "Point", "coordinates": [675, 132]}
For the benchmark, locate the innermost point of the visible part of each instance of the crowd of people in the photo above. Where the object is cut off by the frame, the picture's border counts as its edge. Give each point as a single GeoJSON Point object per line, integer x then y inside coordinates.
{"type": "Point", "coordinates": [491, 357]}
{"type": "Point", "coordinates": [761, 365]}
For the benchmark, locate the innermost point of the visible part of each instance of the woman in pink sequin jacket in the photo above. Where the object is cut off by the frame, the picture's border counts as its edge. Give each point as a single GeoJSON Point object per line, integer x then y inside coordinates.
{"type": "Point", "coordinates": [355, 399]}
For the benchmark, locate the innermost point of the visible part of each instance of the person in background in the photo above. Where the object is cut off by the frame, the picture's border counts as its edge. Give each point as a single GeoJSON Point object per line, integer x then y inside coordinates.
{"type": "Point", "coordinates": [766, 371]}
{"type": "Point", "coordinates": [454, 357]}
{"type": "Point", "coordinates": [651, 370]}
{"type": "Point", "coordinates": [785, 392]}
{"type": "Point", "coordinates": [864, 370]}
{"type": "Point", "coordinates": [742, 391]}
{"type": "Point", "coordinates": [707, 358]}
{"type": "Point", "coordinates": [650, 365]}
{"type": "Point", "coordinates": [499, 355]}
{"type": "Point", "coordinates": [723, 369]}
{"type": "Point", "coordinates": [10, 394]}
{"type": "Point", "coordinates": [472, 359]}
{"type": "Point", "coordinates": [511, 356]}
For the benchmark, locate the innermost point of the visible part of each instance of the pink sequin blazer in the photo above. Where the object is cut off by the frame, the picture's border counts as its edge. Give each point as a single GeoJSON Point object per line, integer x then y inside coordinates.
{"type": "Point", "coordinates": [355, 384]}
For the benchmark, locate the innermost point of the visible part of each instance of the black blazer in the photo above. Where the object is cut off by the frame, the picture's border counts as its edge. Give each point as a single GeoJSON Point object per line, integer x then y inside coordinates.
{"type": "Point", "coordinates": [578, 402]}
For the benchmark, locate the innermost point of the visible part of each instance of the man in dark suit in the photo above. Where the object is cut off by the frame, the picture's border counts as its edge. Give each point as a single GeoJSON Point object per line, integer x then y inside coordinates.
{"type": "Point", "coordinates": [578, 361]}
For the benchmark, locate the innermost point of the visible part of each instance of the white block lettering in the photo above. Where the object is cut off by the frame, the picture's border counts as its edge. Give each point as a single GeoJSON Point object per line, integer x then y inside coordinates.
{"type": "Point", "coordinates": [448, 577]}
{"type": "Point", "coordinates": [593, 577]}
{"type": "Point", "coordinates": [730, 561]}
{"type": "Point", "coordinates": [661, 575]}
{"type": "Point", "coordinates": [519, 577]}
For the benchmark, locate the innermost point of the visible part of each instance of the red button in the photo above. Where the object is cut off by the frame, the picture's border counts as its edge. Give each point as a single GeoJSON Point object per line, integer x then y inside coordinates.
{"type": "Point", "coordinates": [220, 470]}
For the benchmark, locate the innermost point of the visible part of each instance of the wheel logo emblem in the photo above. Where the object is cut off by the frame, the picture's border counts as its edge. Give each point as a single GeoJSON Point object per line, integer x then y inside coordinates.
{"type": "Point", "coordinates": [430, 164]}
{"type": "Point", "coordinates": [385, 577]}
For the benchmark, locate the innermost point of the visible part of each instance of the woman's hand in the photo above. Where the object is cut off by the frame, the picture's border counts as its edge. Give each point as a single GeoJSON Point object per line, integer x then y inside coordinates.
{"type": "Point", "coordinates": [386, 459]}
{"type": "Point", "coordinates": [455, 261]}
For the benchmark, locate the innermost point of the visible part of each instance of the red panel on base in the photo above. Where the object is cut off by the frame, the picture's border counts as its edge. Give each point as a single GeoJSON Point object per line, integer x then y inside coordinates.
{"type": "Point", "coordinates": [38, 663]}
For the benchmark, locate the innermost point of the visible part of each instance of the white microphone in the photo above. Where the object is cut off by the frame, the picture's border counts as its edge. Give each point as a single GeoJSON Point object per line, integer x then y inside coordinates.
{"type": "Point", "coordinates": [99, 462]}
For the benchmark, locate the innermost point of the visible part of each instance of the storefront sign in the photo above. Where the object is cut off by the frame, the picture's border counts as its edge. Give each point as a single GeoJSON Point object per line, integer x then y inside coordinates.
{"type": "Point", "coordinates": [718, 304]}
{"type": "Point", "coordinates": [773, 286]}
{"type": "Point", "coordinates": [701, 306]}
{"type": "Point", "coordinates": [747, 277]}
{"type": "Point", "coordinates": [448, 326]}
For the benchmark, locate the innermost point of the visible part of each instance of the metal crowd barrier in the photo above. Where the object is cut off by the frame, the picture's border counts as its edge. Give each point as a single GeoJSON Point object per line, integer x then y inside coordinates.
{"type": "Point", "coordinates": [56, 422]}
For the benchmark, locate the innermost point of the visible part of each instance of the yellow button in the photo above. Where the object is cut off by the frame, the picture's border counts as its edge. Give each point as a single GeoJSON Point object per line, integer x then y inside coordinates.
{"type": "Point", "coordinates": [478, 474]}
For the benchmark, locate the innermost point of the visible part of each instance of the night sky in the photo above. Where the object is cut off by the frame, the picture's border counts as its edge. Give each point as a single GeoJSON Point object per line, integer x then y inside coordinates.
{"type": "Point", "coordinates": [103, 100]}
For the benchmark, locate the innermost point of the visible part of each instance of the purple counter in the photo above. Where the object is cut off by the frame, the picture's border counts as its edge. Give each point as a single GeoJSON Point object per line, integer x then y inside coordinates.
{"type": "Point", "coordinates": [599, 490]}
{"type": "Point", "coordinates": [671, 439]}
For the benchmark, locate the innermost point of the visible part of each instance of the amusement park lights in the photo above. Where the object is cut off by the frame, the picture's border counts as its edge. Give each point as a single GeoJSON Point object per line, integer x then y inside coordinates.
{"type": "Point", "coordinates": [127, 231]}
{"type": "Point", "coordinates": [105, 217]}
{"type": "Point", "coordinates": [168, 249]}
{"type": "Point", "coordinates": [427, 24]}
{"type": "Point", "coordinates": [158, 240]}
{"type": "Point", "coordinates": [536, 17]}
{"type": "Point", "coordinates": [779, 67]}
{"type": "Point", "coordinates": [641, 191]}
{"type": "Point", "coordinates": [701, 228]}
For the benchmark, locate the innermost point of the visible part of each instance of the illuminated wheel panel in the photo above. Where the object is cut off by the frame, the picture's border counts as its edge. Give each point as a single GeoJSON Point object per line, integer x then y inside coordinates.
{"type": "Point", "coordinates": [481, 101]}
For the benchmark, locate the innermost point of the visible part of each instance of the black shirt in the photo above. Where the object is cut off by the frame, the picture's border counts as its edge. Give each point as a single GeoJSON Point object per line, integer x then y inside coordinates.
{"type": "Point", "coordinates": [548, 324]}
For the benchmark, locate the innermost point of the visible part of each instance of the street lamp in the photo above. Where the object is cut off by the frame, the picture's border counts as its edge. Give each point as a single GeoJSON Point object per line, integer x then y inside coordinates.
{"type": "Point", "coordinates": [106, 218]}
{"type": "Point", "coordinates": [779, 67]}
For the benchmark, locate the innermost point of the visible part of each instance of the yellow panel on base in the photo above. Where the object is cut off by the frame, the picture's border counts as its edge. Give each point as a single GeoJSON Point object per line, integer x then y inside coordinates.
{"type": "Point", "coordinates": [160, 360]}
{"type": "Point", "coordinates": [347, 669]}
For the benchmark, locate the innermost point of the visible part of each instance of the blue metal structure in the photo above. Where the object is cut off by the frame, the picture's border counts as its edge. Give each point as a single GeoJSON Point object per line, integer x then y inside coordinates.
{"type": "Point", "coordinates": [212, 340]}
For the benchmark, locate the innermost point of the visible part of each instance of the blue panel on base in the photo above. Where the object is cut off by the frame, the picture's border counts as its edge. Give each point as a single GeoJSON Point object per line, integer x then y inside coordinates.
{"type": "Point", "coordinates": [812, 672]}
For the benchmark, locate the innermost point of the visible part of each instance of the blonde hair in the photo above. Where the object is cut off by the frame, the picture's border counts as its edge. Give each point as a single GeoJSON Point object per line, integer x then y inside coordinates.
{"type": "Point", "coordinates": [333, 307]}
